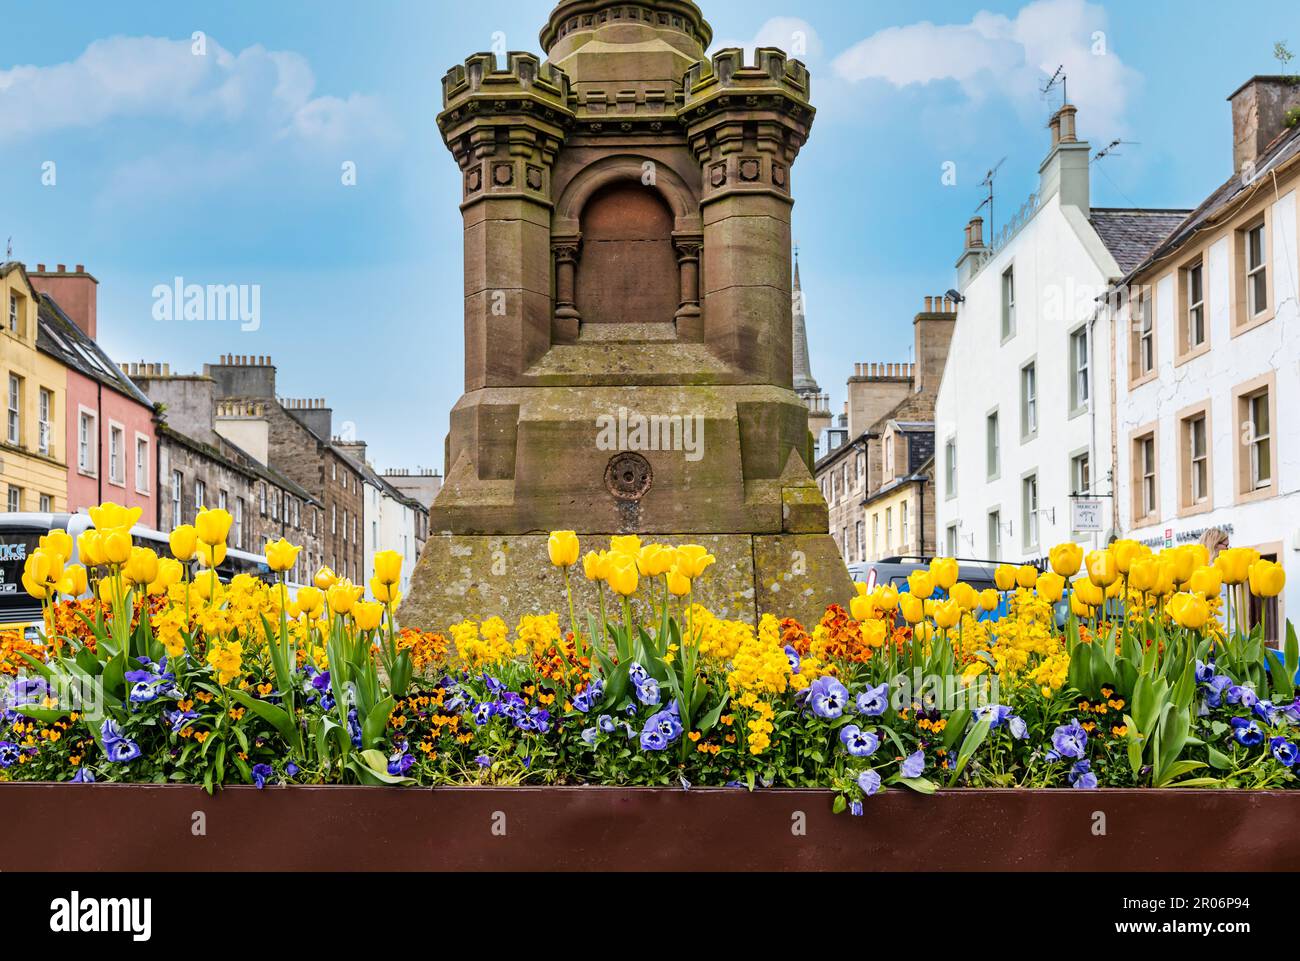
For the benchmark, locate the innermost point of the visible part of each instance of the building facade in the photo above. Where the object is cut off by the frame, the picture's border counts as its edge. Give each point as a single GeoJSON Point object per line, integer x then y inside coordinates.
{"type": "Point", "coordinates": [33, 448]}
{"type": "Point", "coordinates": [1022, 420]}
{"type": "Point", "coordinates": [200, 468]}
{"type": "Point", "coordinates": [392, 520]}
{"type": "Point", "coordinates": [1206, 357]}
{"type": "Point", "coordinates": [873, 476]}
{"type": "Point", "coordinates": [294, 437]}
{"type": "Point", "coordinates": [110, 423]}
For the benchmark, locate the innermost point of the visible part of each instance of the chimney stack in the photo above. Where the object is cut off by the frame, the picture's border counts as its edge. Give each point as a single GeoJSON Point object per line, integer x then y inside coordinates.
{"type": "Point", "coordinates": [1259, 114]}
{"type": "Point", "coordinates": [75, 292]}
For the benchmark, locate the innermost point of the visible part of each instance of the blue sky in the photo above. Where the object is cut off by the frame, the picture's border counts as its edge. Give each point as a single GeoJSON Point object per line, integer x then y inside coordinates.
{"type": "Point", "coordinates": [226, 169]}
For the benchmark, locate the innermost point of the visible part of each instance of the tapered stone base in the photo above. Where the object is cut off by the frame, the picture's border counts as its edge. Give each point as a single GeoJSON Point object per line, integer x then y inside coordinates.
{"type": "Point", "coordinates": [480, 576]}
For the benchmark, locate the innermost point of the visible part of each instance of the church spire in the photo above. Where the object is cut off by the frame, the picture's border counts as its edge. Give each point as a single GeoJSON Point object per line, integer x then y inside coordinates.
{"type": "Point", "coordinates": [804, 384]}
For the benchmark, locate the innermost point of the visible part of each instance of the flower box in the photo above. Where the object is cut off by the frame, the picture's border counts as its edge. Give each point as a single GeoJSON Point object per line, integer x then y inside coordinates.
{"type": "Point", "coordinates": [176, 827]}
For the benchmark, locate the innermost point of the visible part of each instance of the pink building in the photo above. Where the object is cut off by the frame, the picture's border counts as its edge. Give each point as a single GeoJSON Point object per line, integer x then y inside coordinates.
{"type": "Point", "coordinates": [112, 437]}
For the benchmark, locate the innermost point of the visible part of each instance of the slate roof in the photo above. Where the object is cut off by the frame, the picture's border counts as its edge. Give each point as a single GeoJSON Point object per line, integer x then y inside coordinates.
{"type": "Point", "coordinates": [1131, 234]}
{"type": "Point", "coordinates": [58, 336]}
{"type": "Point", "coordinates": [1284, 149]}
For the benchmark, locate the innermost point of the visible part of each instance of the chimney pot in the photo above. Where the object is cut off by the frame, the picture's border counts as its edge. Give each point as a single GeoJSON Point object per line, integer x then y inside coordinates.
{"type": "Point", "coordinates": [40, 268]}
{"type": "Point", "coordinates": [63, 269]}
{"type": "Point", "coordinates": [1066, 114]}
{"type": "Point", "coordinates": [81, 268]}
{"type": "Point", "coordinates": [929, 305]}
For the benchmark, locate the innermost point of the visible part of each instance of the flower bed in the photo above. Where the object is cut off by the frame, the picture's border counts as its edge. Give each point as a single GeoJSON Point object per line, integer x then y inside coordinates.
{"type": "Point", "coordinates": [638, 829]}
{"type": "Point", "coordinates": [154, 671]}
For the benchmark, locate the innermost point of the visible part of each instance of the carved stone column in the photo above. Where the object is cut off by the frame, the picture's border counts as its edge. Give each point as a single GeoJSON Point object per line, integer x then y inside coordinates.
{"type": "Point", "coordinates": [567, 318]}
{"type": "Point", "coordinates": [688, 318]}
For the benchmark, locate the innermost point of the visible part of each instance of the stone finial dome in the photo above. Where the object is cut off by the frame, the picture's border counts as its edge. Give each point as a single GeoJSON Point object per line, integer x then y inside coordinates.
{"type": "Point", "coordinates": [606, 40]}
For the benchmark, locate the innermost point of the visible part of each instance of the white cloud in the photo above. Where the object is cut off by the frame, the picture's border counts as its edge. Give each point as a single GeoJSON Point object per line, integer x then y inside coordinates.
{"type": "Point", "coordinates": [791, 34]}
{"type": "Point", "coordinates": [995, 55]}
{"type": "Point", "coordinates": [157, 79]}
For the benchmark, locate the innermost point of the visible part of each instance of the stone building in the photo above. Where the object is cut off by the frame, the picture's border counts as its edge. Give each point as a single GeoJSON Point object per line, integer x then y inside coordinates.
{"type": "Point", "coordinates": [392, 520]}
{"type": "Point", "coordinates": [874, 475]}
{"type": "Point", "coordinates": [295, 439]}
{"type": "Point", "coordinates": [421, 485]}
{"type": "Point", "coordinates": [1203, 336]}
{"type": "Point", "coordinates": [199, 467]}
{"type": "Point", "coordinates": [626, 206]}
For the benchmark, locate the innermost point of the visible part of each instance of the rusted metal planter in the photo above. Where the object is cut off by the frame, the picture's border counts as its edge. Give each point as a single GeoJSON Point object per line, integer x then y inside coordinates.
{"type": "Point", "coordinates": [73, 827]}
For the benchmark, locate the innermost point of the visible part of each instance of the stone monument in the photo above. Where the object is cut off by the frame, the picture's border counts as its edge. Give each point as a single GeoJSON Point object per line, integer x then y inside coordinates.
{"type": "Point", "coordinates": [628, 355]}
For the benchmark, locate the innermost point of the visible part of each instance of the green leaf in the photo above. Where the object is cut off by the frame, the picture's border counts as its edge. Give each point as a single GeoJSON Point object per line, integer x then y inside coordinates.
{"type": "Point", "coordinates": [46, 715]}
{"type": "Point", "coordinates": [956, 726]}
{"type": "Point", "coordinates": [709, 720]}
{"type": "Point", "coordinates": [969, 745]}
{"type": "Point", "coordinates": [375, 766]}
{"type": "Point", "coordinates": [839, 805]}
{"type": "Point", "coordinates": [1218, 760]}
{"type": "Point", "coordinates": [376, 721]}
{"type": "Point", "coordinates": [920, 785]}
{"type": "Point", "coordinates": [273, 715]}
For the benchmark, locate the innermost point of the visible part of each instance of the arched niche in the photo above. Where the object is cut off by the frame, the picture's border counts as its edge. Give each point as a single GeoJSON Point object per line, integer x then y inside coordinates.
{"type": "Point", "coordinates": [626, 237]}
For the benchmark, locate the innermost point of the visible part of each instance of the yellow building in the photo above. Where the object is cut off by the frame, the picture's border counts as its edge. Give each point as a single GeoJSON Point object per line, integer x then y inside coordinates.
{"type": "Point", "coordinates": [33, 390]}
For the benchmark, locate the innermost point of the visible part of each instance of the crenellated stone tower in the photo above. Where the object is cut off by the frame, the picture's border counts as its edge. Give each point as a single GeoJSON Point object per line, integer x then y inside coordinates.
{"type": "Point", "coordinates": [628, 348]}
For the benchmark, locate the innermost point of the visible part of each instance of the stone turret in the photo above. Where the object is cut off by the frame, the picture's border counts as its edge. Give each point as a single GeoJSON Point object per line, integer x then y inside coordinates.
{"type": "Point", "coordinates": [626, 210]}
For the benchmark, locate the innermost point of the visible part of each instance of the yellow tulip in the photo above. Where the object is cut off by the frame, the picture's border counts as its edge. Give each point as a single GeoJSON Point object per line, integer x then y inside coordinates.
{"type": "Point", "coordinates": [44, 567]}
{"type": "Point", "coordinates": [1126, 552]}
{"type": "Point", "coordinates": [990, 599]}
{"type": "Point", "coordinates": [388, 593]}
{"type": "Point", "coordinates": [325, 579]}
{"type": "Point", "coordinates": [342, 595]}
{"type": "Point", "coordinates": [679, 585]}
{"type": "Point", "coordinates": [59, 542]}
{"type": "Point", "coordinates": [693, 560]}
{"type": "Point", "coordinates": [183, 541]}
{"type": "Point", "coordinates": [1234, 564]}
{"type": "Point", "coordinates": [965, 595]}
{"type": "Point", "coordinates": [1206, 580]}
{"type": "Point", "coordinates": [368, 615]}
{"type": "Point", "coordinates": [211, 555]}
{"type": "Point", "coordinates": [563, 548]}
{"type": "Point", "coordinates": [388, 566]}
{"type": "Point", "coordinates": [622, 575]}
{"type": "Point", "coordinates": [1050, 586]}
{"type": "Point", "coordinates": [1004, 576]}
{"type": "Point", "coordinates": [73, 583]}
{"type": "Point", "coordinates": [628, 544]}
{"type": "Point", "coordinates": [595, 565]}
{"type": "Point", "coordinates": [117, 545]}
{"type": "Point", "coordinates": [1066, 559]}
{"type": "Point", "coordinates": [1189, 610]}
{"type": "Point", "coordinates": [1143, 574]}
{"type": "Point", "coordinates": [947, 614]}
{"type": "Point", "coordinates": [920, 584]}
{"type": "Point", "coordinates": [945, 572]}
{"type": "Point", "coordinates": [213, 526]}
{"type": "Point", "coordinates": [114, 517]}
{"type": "Point", "coordinates": [281, 555]}
{"type": "Point", "coordinates": [1079, 606]}
{"type": "Point", "coordinates": [169, 573]}
{"type": "Point", "coordinates": [1165, 572]}
{"type": "Point", "coordinates": [110, 587]}
{"type": "Point", "coordinates": [310, 600]}
{"type": "Point", "coordinates": [1027, 576]}
{"type": "Point", "coordinates": [142, 566]}
{"type": "Point", "coordinates": [886, 597]}
{"type": "Point", "coordinates": [1184, 559]}
{"type": "Point", "coordinates": [655, 559]}
{"type": "Point", "coordinates": [1102, 568]}
{"type": "Point", "coordinates": [1088, 592]}
{"type": "Point", "coordinates": [207, 585]}
{"type": "Point", "coordinates": [1266, 579]}
{"type": "Point", "coordinates": [911, 607]}
{"type": "Point", "coordinates": [90, 548]}
{"type": "Point", "coordinates": [35, 588]}
{"type": "Point", "coordinates": [861, 608]}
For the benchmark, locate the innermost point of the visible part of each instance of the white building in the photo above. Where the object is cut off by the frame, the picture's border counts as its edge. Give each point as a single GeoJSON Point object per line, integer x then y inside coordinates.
{"type": "Point", "coordinates": [391, 519]}
{"type": "Point", "coordinates": [1208, 356]}
{"type": "Point", "coordinates": [1023, 420]}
